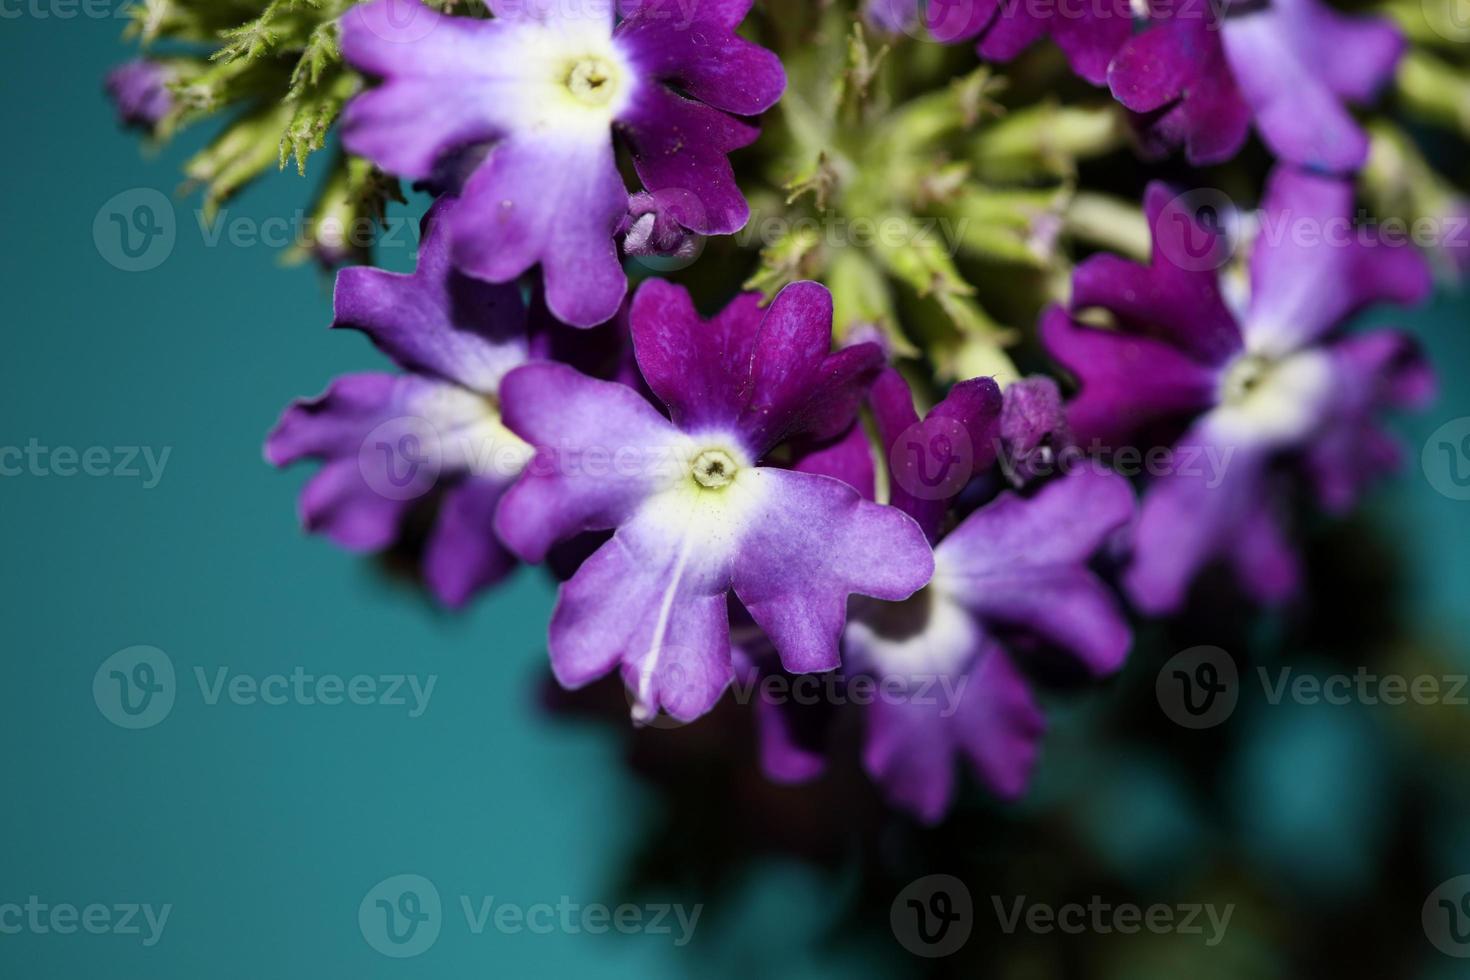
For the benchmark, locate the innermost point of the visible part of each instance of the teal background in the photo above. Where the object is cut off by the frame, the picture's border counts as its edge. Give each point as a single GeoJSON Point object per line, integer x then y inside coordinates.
{"type": "Point", "coordinates": [264, 826]}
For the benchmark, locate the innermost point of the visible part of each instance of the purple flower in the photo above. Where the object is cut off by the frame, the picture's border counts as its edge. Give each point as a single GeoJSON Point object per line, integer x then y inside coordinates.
{"type": "Point", "coordinates": [388, 440]}
{"type": "Point", "coordinates": [1011, 576]}
{"type": "Point", "coordinates": [696, 514]}
{"type": "Point", "coordinates": [1252, 390]}
{"type": "Point", "coordinates": [892, 16]}
{"type": "Point", "coordinates": [1089, 32]}
{"type": "Point", "coordinates": [654, 228]}
{"type": "Point", "coordinates": [548, 82]}
{"type": "Point", "coordinates": [1286, 65]}
{"type": "Point", "coordinates": [1033, 429]}
{"type": "Point", "coordinates": [139, 90]}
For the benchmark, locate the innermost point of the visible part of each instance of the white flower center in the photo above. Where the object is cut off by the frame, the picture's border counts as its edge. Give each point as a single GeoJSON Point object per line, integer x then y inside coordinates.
{"type": "Point", "coordinates": [1244, 375]}
{"type": "Point", "coordinates": [926, 635]}
{"type": "Point", "coordinates": [1273, 400]}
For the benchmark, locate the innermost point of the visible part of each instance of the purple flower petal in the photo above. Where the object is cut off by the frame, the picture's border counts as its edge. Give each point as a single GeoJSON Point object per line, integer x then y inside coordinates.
{"type": "Point", "coordinates": [681, 146]}
{"type": "Point", "coordinates": [1174, 75]}
{"type": "Point", "coordinates": [1175, 298]}
{"type": "Point", "coordinates": [892, 16]}
{"type": "Point", "coordinates": [694, 46]}
{"type": "Point", "coordinates": [848, 458]}
{"type": "Point", "coordinates": [437, 321]}
{"type": "Point", "coordinates": [339, 503]}
{"type": "Point", "coordinates": [813, 544]}
{"type": "Point", "coordinates": [1372, 371]}
{"type": "Point", "coordinates": [559, 15]}
{"type": "Point", "coordinates": [909, 752]}
{"type": "Point", "coordinates": [1127, 382]}
{"type": "Point", "coordinates": [1295, 60]}
{"type": "Point", "coordinates": [771, 378]}
{"type": "Point", "coordinates": [784, 757]}
{"type": "Point", "coordinates": [653, 601]}
{"type": "Point", "coordinates": [787, 401]}
{"type": "Point", "coordinates": [971, 412]}
{"type": "Point", "coordinates": [445, 86]}
{"type": "Point", "coordinates": [1190, 517]}
{"type": "Point", "coordinates": [699, 369]}
{"type": "Point", "coordinates": [1022, 563]}
{"type": "Point", "coordinates": [789, 734]}
{"type": "Point", "coordinates": [601, 450]}
{"type": "Point", "coordinates": [1310, 269]}
{"type": "Point", "coordinates": [1033, 428]}
{"type": "Point", "coordinates": [347, 501]}
{"type": "Point", "coordinates": [1264, 559]}
{"type": "Point", "coordinates": [463, 554]}
{"type": "Point", "coordinates": [1089, 34]}
{"type": "Point", "coordinates": [999, 724]}
{"type": "Point", "coordinates": [549, 190]}
{"type": "Point", "coordinates": [556, 202]}
{"type": "Point", "coordinates": [139, 90]}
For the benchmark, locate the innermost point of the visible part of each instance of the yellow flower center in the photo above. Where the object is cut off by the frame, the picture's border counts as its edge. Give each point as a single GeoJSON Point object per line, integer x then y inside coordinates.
{"type": "Point", "coordinates": [714, 469]}
{"type": "Point", "coordinates": [1244, 377]}
{"type": "Point", "coordinates": [592, 80]}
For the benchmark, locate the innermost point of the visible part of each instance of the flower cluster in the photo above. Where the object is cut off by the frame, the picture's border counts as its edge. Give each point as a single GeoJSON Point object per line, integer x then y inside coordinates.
{"type": "Point", "coordinates": [754, 494]}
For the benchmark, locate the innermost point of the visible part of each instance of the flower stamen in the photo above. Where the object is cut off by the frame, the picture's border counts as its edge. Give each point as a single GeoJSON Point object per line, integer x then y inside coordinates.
{"type": "Point", "coordinates": [714, 469]}
{"type": "Point", "coordinates": [592, 80]}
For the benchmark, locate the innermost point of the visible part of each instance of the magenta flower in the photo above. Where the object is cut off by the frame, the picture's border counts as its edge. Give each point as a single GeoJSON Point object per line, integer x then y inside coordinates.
{"type": "Point", "coordinates": [1257, 392]}
{"type": "Point", "coordinates": [1288, 66]}
{"type": "Point", "coordinates": [698, 511]}
{"type": "Point", "coordinates": [547, 83]}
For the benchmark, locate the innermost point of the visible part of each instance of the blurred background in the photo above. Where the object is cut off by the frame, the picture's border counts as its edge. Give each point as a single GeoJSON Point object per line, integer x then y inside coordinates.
{"type": "Point", "coordinates": [149, 362]}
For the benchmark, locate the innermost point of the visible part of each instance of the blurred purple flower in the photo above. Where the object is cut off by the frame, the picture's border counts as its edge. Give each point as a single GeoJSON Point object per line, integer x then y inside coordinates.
{"type": "Point", "coordinates": [389, 441]}
{"type": "Point", "coordinates": [1088, 33]}
{"type": "Point", "coordinates": [139, 90]}
{"type": "Point", "coordinates": [1196, 80]}
{"type": "Point", "coordinates": [1274, 382]}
